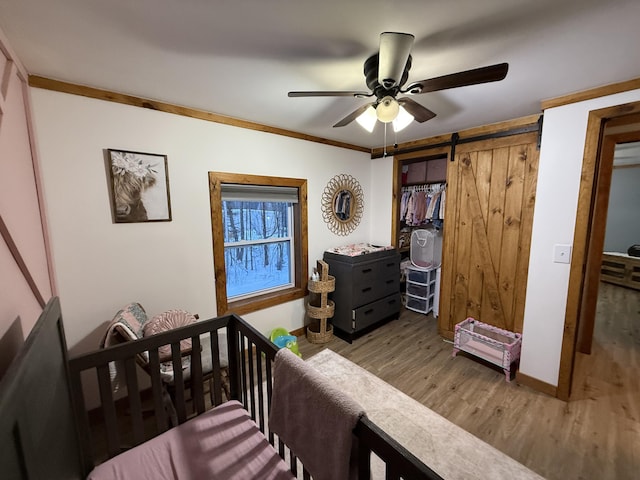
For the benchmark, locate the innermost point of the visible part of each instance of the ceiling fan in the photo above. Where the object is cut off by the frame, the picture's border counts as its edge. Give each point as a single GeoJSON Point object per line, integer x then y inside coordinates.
{"type": "Point", "coordinates": [386, 74]}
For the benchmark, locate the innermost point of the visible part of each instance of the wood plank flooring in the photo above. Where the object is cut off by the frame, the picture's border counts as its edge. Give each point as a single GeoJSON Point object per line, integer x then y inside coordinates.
{"type": "Point", "coordinates": [594, 436]}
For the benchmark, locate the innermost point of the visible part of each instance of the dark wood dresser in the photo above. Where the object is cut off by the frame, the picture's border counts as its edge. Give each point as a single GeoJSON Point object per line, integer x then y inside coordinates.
{"type": "Point", "coordinates": [367, 291]}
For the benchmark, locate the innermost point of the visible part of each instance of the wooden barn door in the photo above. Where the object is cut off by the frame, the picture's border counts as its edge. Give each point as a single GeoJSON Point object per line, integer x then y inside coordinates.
{"type": "Point", "coordinates": [487, 232]}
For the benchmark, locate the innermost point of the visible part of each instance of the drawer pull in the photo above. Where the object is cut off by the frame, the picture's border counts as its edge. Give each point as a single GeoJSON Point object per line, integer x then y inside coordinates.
{"type": "Point", "coordinates": [391, 264]}
{"type": "Point", "coordinates": [367, 270]}
{"type": "Point", "coordinates": [368, 312]}
{"type": "Point", "coordinates": [391, 280]}
{"type": "Point", "coordinates": [368, 289]}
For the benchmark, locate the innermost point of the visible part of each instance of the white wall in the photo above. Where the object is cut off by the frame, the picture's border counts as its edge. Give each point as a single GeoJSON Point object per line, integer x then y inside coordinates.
{"type": "Point", "coordinates": [101, 266]}
{"type": "Point", "coordinates": [623, 215]}
{"type": "Point", "coordinates": [381, 204]}
{"type": "Point", "coordinates": [561, 154]}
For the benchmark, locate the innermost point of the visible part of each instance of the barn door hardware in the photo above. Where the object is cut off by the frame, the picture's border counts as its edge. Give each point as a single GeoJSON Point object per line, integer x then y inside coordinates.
{"type": "Point", "coordinates": [456, 140]}
{"type": "Point", "coordinates": [455, 137]}
{"type": "Point", "coordinates": [539, 142]}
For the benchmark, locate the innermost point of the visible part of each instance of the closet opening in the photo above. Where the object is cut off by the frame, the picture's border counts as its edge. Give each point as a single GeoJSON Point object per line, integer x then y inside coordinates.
{"type": "Point", "coordinates": [423, 176]}
{"type": "Point", "coordinates": [418, 221]}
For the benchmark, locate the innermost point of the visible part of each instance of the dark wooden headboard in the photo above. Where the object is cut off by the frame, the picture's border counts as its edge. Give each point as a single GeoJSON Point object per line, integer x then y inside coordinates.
{"type": "Point", "coordinates": [38, 437]}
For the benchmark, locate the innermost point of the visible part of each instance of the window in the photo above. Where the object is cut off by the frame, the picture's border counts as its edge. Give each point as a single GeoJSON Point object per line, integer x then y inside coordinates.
{"type": "Point", "coordinates": [259, 240]}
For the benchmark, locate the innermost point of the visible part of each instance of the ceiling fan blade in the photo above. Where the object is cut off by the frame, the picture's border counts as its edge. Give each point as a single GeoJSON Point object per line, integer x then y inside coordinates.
{"type": "Point", "coordinates": [330, 94]}
{"type": "Point", "coordinates": [392, 57]}
{"type": "Point", "coordinates": [352, 116]}
{"type": "Point", "coordinates": [420, 113]}
{"type": "Point", "coordinates": [492, 73]}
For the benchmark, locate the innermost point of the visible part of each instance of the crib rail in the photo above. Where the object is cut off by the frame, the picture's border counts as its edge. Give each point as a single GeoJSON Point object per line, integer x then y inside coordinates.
{"type": "Point", "coordinates": [103, 433]}
{"type": "Point", "coordinates": [124, 421]}
{"type": "Point", "coordinates": [398, 461]}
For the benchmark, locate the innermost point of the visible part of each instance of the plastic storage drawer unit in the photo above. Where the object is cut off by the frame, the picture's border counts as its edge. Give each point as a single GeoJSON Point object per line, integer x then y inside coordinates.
{"type": "Point", "coordinates": [420, 289]}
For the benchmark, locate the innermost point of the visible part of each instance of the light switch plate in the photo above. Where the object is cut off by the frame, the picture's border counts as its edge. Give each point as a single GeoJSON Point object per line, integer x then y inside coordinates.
{"type": "Point", "coordinates": [562, 253]}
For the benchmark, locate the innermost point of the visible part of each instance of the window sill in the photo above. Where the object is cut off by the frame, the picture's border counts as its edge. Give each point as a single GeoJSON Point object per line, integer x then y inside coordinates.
{"type": "Point", "coordinates": [261, 302]}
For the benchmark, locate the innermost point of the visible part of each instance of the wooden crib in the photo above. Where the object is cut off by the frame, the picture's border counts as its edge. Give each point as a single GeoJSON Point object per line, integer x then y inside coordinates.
{"type": "Point", "coordinates": [47, 432]}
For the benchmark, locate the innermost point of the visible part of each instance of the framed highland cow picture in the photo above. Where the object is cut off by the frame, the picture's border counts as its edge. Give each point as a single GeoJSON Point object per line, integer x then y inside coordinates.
{"type": "Point", "coordinates": [139, 187]}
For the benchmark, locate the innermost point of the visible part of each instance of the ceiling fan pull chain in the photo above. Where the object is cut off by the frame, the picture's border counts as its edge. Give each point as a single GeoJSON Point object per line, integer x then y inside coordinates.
{"type": "Point", "coordinates": [385, 140]}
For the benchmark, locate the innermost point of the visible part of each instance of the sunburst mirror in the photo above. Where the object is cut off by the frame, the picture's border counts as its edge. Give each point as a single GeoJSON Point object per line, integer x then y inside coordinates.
{"type": "Point", "coordinates": [342, 204]}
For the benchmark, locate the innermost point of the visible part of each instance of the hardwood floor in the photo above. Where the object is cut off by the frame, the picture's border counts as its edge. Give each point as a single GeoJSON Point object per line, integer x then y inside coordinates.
{"type": "Point", "coordinates": [594, 436]}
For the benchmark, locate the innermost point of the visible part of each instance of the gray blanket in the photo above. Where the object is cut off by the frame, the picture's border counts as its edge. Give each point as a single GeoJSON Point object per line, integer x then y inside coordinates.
{"type": "Point", "coordinates": [314, 418]}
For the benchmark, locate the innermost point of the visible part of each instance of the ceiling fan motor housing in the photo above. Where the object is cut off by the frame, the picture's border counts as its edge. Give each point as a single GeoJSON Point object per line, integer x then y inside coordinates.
{"type": "Point", "coordinates": [371, 76]}
{"type": "Point", "coordinates": [394, 51]}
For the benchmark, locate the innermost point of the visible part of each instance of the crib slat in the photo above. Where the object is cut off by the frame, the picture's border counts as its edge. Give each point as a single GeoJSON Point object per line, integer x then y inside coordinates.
{"type": "Point", "coordinates": [178, 383]}
{"type": "Point", "coordinates": [158, 391]}
{"type": "Point", "coordinates": [391, 473]}
{"type": "Point", "coordinates": [251, 390]}
{"type": "Point", "coordinates": [135, 405]}
{"type": "Point", "coordinates": [260, 391]}
{"type": "Point", "coordinates": [216, 394]}
{"type": "Point", "coordinates": [108, 410]}
{"type": "Point", "coordinates": [281, 448]}
{"type": "Point", "coordinates": [293, 463]}
{"type": "Point", "coordinates": [197, 392]}
{"type": "Point", "coordinates": [82, 416]}
{"type": "Point", "coordinates": [269, 381]}
{"type": "Point", "coordinates": [243, 372]}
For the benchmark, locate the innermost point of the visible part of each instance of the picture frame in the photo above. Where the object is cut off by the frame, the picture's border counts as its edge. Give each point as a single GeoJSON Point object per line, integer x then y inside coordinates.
{"type": "Point", "coordinates": [139, 186]}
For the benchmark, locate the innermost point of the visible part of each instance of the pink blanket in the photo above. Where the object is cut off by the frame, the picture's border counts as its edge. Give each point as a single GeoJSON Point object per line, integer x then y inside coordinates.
{"type": "Point", "coordinates": [313, 418]}
{"type": "Point", "coordinates": [221, 444]}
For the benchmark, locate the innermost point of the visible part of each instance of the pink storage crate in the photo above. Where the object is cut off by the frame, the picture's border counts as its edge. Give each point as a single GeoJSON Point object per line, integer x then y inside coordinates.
{"type": "Point", "coordinates": [493, 344]}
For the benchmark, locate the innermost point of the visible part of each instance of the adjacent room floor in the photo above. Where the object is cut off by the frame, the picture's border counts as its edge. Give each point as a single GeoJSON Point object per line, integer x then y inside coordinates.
{"type": "Point", "coordinates": [594, 436]}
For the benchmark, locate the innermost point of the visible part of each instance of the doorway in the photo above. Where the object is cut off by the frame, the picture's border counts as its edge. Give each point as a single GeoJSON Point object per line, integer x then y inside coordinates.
{"type": "Point", "coordinates": [607, 341]}
{"type": "Point", "coordinates": [603, 134]}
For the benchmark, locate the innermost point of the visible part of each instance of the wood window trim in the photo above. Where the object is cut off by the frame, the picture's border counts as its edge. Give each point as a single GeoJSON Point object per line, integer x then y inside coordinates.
{"type": "Point", "coordinates": [258, 302]}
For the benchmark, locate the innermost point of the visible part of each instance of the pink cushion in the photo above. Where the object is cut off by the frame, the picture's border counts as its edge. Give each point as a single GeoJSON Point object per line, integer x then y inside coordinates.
{"type": "Point", "coordinates": [168, 321]}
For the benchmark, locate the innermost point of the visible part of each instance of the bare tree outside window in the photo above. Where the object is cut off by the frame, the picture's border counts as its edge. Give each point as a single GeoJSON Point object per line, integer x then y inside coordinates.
{"type": "Point", "coordinates": [258, 245]}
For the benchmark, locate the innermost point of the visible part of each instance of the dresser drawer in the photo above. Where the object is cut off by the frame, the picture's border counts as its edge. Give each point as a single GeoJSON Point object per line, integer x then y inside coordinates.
{"type": "Point", "coordinates": [365, 273]}
{"type": "Point", "coordinates": [373, 312]}
{"type": "Point", "coordinates": [389, 267]}
{"type": "Point", "coordinates": [365, 279]}
{"type": "Point", "coordinates": [374, 280]}
{"type": "Point", "coordinates": [388, 285]}
{"type": "Point", "coordinates": [374, 290]}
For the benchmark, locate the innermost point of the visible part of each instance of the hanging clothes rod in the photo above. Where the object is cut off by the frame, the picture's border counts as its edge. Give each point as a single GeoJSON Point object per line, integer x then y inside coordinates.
{"type": "Point", "coordinates": [427, 187]}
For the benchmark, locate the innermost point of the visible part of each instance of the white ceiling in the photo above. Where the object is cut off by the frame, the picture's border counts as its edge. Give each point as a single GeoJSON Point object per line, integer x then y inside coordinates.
{"type": "Point", "coordinates": [241, 57]}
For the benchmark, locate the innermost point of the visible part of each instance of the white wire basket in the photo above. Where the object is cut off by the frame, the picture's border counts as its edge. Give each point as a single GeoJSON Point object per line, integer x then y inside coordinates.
{"type": "Point", "coordinates": [422, 248]}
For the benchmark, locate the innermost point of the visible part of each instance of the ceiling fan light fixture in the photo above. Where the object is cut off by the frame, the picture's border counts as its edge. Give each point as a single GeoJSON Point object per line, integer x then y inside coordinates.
{"type": "Point", "coordinates": [387, 110]}
{"type": "Point", "coordinates": [368, 119]}
{"type": "Point", "coordinates": [403, 119]}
